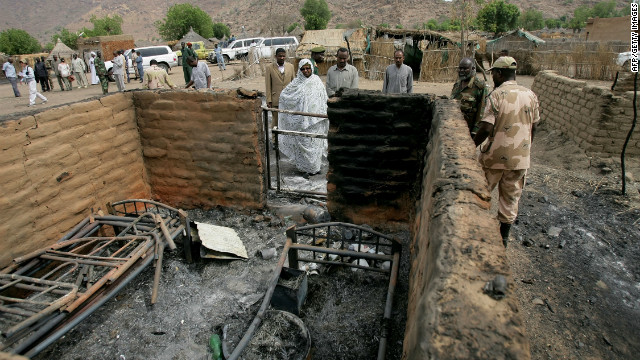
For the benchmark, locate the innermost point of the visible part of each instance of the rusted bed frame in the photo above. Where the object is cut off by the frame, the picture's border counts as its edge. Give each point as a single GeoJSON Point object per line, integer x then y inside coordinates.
{"type": "Point", "coordinates": [304, 243]}
{"type": "Point", "coordinates": [46, 293]}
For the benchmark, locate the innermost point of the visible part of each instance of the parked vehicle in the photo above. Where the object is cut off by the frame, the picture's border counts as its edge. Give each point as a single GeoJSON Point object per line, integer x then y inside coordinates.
{"type": "Point", "coordinates": [624, 59]}
{"type": "Point", "coordinates": [236, 50]}
{"type": "Point", "coordinates": [199, 48]}
{"type": "Point", "coordinates": [268, 46]}
{"type": "Point", "coordinates": [165, 57]}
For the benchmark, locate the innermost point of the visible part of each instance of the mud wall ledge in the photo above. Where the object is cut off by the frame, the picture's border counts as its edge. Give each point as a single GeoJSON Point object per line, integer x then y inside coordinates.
{"type": "Point", "coordinates": [456, 248]}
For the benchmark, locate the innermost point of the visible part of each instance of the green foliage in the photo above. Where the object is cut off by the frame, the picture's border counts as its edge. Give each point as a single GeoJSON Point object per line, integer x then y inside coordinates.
{"type": "Point", "coordinates": [316, 14]}
{"type": "Point", "coordinates": [292, 27]}
{"type": "Point", "coordinates": [498, 16]}
{"type": "Point", "coordinates": [555, 23]}
{"type": "Point", "coordinates": [398, 26]}
{"type": "Point", "coordinates": [104, 26]}
{"type": "Point", "coordinates": [221, 30]}
{"type": "Point", "coordinates": [18, 42]}
{"type": "Point", "coordinates": [180, 17]}
{"type": "Point", "coordinates": [531, 20]}
{"type": "Point", "coordinates": [354, 24]}
{"type": "Point", "coordinates": [384, 26]}
{"type": "Point", "coordinates": [604, 9]}
{"type": "Point", "coordinates": [445, 24]}
{"type": "Point", "coordinates": [67, 37]}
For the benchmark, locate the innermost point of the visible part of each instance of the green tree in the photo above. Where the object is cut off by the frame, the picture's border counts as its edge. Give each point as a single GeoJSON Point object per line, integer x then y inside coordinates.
{"type": "Point", "coordinates": [316, 14]}
{"type": "Point", "coordinates": [18, 42]}
{"type": "Point", "coordinates": [498, 16]}
{"type": "Point", "coordinates": [531, 20]}
{"type": "Point", "coordinates": [221, 30]}
{"type": "Point", "coordinates": [104, 26]}
{"type": "Point", "coordinates": [181, 17]}
{"type": "Point", "coordinates": [67, 37]}
{"type": "Point", "coordinates": [604, 9]}
{"type": "Point", "coordinates": [292, 27]}
{"type": "Point", "coordinates": [580, 16]}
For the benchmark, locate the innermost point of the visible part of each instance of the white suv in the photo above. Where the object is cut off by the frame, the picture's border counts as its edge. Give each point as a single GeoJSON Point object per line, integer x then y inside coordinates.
{"type": "Point", "coordinates": [269, 46]}
{"type": "Point", "coordinates": [165, 57]}
{"type": "Point", "coordinates": [237, 49]}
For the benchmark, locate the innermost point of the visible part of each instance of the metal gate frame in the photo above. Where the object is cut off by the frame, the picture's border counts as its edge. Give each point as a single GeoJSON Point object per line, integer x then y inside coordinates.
{"type": "Point", "coordinates": [277, 132]}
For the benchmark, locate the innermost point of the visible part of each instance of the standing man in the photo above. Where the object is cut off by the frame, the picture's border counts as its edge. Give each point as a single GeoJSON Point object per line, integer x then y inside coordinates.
{"type": "Point", "coordinates": [139, 67]}
{"type": "Point", "coordinates": [118, 69]}
{"type": "Point", "coordinates": [278, 76]}
{"type": "Point", "coordinates": [509, 123]}
{"type": "Point", "coordinates": [29, 77]}
{"type": "Point", "coordinates": [65, 71]}
{"type": "Point", "coordinates": [219, 58]}
{"type": "Point", "coordinates": [54, 65]}
{"type": "Point", "coordinates": [471, 92]}
{"type": "Point", "coordinates": [317, 57]}
{"type": "Point", "coordinates": [126, 65]}
{"type": "Point", "coordinates": [398, 78]}
{"type": "Point", "coordinates": [79, 68]}
{"type": "Point", "coordinates": [200, 75]}
{"type": "Point", "coordinates": [186, 68]}
{"type": "Point", "coordinates": [155, 77]}
{"type": "Point", "coordinates": [10, 72]}
{"type": "Point", "coordinates": [42, 75]}
{"type": "Point", "coordinates": [101, 72]}
{"type": "Point", "coordinates": [341, 75]}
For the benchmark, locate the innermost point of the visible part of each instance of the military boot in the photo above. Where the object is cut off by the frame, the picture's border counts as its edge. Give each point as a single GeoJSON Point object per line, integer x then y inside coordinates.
{"type": "Point", "coordinates": [504, 232]}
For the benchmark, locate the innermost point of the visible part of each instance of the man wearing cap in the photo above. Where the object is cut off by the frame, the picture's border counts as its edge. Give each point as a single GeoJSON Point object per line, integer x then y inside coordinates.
{"type": "Point", "coordinates": [317, 57]}
{"type": "Point", "coordinates": [509, 123]}
{"type": "Point", "coordinates": [186, 68]}
{"type": "Point", "coordinates": [471, 92]}
{"type": "Point", "coordinates": [341, 75]}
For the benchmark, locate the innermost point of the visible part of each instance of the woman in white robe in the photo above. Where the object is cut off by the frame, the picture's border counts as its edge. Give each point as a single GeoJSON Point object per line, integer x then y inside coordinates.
{"type": "Point", "coordinates": [305, 93]}
{"type": "Point", "coordinates": [92, 64]}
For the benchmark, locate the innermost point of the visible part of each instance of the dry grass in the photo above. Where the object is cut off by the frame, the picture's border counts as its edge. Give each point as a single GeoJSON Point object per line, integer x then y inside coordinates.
{"type": "Point", "coordinates": [580, 61]}
{"type": "Point", "coordinates": [440, 65]}
{"type": "Point", "coordinates": [381, 56]}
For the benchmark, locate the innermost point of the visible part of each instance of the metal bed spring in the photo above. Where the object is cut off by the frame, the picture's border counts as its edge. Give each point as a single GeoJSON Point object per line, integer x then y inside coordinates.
{"type": "Point", "coordinates": [45, 293]}
{"type": "Point", "coordinates": [319, 239]}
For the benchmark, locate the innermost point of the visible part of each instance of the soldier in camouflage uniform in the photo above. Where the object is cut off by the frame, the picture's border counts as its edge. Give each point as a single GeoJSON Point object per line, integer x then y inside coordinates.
{"type": "Point", "coordinates": [508, 125]}
{"type": "Point", "coordinates": [471, 91]}
{"type": "Point", "coordinates": [101, 71]}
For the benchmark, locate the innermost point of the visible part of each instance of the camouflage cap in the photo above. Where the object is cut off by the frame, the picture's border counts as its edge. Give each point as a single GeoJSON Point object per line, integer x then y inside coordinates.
{"type": "Point", "coordinates": [318, 49]}
{"type": "Point", "coordinates": [505, 62]}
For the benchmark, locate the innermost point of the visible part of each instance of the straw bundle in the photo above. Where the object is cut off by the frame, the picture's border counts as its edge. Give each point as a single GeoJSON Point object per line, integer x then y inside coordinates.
{"type": "Point", "coordinates": [581, 60]}
{"type": "Point", "coordinates": [440, 65]}
{"type": "Point", "coordinates": [381, 56]}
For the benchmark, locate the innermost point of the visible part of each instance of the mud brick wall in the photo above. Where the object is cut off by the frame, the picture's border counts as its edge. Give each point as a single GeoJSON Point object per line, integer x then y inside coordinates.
{"type": "Point", "coordinates": [593, 117]}
{"type": "Point", "coordinates": [57, 164]}
{"type": "Point", "coordinates": [202, 149]}
{"type": "Point", "coordinates": [456, 248]}
{"type": "Point", "coordinates": [376, 143]}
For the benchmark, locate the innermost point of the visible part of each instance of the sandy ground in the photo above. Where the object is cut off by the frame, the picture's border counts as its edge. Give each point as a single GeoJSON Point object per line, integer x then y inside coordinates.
{"type": "Point", "coordinates": [11, 104]}
{"type": "Point", "coordinates": [574, 255]}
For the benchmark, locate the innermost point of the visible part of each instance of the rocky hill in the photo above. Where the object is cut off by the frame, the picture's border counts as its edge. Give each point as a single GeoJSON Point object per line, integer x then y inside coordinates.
{"type": "Point", "coordinates": [43, 18]}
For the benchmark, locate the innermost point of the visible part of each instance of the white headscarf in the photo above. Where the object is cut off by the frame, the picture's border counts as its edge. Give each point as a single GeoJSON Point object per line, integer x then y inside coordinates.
{"type": "Point", "coordinates": [304, 94]}
{"type": "Point", "coordinates": [93, 54]}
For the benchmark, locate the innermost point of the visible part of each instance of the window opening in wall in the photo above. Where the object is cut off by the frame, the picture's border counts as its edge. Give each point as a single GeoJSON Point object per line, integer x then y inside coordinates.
{"type": "Point", "coordinates": [282, 175]}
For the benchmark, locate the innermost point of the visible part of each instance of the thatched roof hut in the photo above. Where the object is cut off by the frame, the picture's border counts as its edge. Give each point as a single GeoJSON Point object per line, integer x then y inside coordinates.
{"type": "Point", "coordinates": [61, 51]}
{"type": "Point", "coordinates": [332, 40]}
{"type": "Point", "coordinates": [193, 36]}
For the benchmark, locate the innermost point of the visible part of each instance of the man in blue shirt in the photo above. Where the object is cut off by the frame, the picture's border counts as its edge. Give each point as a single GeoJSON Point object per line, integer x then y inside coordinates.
{"type": "Point", "coordinates": [10, 72]}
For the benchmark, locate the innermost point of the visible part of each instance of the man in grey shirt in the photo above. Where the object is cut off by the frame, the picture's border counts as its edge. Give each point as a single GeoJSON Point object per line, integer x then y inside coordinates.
{"type": "Point", "coordinates": [10, 72]}
{"type": "Point", "coordinates": [341, 75]}
{"type": "Point", "coordinates": [398, 78]}
{"type": "Point", "coordinates": [200, 76]}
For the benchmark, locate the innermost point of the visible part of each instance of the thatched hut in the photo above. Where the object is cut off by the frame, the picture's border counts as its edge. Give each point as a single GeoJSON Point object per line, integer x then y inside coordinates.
{"type": "Point", "coordinates": [520, 44]}
{"type": "Point", "coordinates": [193, 36]}
{"type": "Point", "coordinates": [61, 51]}
{"type": "Point", "coordinates": [332, 40]}
{"type": "Point", "coordinates": [427, 52]}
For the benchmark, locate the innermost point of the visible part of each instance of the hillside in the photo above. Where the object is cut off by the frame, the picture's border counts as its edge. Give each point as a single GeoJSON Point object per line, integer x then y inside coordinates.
{"type": "Point", "coordinates": [42, 18]}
